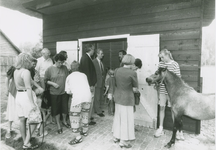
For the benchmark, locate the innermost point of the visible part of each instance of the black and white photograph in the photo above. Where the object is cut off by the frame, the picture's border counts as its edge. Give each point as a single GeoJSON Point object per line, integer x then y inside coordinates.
{"type": "Point", "coordinates": [107, 74]}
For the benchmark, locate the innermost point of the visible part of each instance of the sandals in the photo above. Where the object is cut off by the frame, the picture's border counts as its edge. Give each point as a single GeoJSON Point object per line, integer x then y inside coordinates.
{"type": "Point", "coordinates": [115, 140]}
{"type": "Point", "coordinates": [75, 130]}
{"type": "Point", "coordinates": [75, 141]}
{"type": "Point", "coordinates": [83, 133]}
{"type": "Point", "coordinates": [122, 145]}
{"type": "Point", "coordinates": [25, 147]}
{"type": "Point", "coordinates": [59, 131]}
{"type": "Point", "coordinates": [67, 125]}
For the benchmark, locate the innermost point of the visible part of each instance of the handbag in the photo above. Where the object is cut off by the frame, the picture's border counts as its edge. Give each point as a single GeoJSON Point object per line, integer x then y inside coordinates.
{"type": "Point", "coordinates": [137, 98]}
{"type": "Point", "coordinates": [34, 116]}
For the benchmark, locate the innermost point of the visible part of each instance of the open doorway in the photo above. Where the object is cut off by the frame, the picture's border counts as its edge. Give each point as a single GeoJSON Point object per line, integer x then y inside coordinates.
{"type": "Point", "coordinates": [111, 49]}
{"type": "Point", "coordinates": [144, 47]}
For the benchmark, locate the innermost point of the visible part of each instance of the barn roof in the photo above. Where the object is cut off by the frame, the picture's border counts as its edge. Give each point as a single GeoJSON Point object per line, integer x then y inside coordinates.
{"type": "Point", "coordinates": [37, 8]}
{"type": "Point", "coordinates": [12, 44]}
{"type": "Point", "coordinates": [18, 5]}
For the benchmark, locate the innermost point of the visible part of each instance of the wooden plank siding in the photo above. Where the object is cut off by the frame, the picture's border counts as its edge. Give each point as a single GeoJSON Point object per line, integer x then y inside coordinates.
{"type": "Point", "coordinates": [178, 23]}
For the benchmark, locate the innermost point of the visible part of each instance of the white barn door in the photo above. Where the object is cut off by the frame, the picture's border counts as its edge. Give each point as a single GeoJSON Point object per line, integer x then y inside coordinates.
{"type": "Point", "coordinates": [70, 47]}
{"type": "Point", "coordinates": [145, 47]}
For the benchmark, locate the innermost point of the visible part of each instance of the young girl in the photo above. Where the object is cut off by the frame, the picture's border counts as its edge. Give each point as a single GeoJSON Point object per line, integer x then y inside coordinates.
{"type": "Point", "coordinates": [11, 106]}
{"type": "Point", "coordinates": [110, 87]}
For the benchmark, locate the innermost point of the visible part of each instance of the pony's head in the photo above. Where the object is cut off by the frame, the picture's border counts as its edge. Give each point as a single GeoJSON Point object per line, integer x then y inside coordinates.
{"type": "Point", "coordinates": [157, 77]}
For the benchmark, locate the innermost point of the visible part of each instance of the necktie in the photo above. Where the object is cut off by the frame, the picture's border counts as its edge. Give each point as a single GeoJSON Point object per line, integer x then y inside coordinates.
{"type": "Point", "coordinates": [101, 66]}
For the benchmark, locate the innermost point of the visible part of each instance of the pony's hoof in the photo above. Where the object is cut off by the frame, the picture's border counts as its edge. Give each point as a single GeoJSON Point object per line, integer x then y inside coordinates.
{"type": "Point", "coordinates": [169, 145]}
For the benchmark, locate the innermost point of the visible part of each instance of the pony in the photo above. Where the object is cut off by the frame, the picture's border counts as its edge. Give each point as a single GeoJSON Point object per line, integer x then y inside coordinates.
{"type": "Point", "coordinates": [184, 100]}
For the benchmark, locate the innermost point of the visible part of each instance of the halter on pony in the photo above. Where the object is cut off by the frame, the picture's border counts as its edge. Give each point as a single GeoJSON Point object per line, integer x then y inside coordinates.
{"type": "Point", "coordinates": [157, 84]}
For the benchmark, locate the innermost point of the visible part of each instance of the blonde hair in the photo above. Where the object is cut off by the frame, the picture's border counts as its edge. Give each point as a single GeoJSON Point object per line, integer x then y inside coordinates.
{"type": "Point", "coordinates": [166, 52]}
{"type": "Point", "coordinates": [24, 60]}
{"type": "Point", "coordinates": [128, 59]}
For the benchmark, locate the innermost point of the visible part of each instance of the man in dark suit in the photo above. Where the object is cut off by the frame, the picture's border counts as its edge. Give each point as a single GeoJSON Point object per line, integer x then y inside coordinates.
{"type": "Point", "coordinates": [87, 67]}
{"type": "Point", "coordinates": [99, 67]}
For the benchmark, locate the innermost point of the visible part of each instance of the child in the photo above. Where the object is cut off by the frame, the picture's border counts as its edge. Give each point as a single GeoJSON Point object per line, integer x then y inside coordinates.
{"type": "Point", "coordinates": [110, 87]}
{"type": "Point", "coordinates": [40, 127]}
{"type": "Point", "coordinates": [11, 114]}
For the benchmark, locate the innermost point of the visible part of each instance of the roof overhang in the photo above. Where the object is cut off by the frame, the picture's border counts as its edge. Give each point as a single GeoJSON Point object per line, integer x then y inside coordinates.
{"type": "Point", "coordinates": [208, 12]}
{"type": "Point", "coordinates": [18, 5]}
{"type": "Point", "coordinates": [37, 8]}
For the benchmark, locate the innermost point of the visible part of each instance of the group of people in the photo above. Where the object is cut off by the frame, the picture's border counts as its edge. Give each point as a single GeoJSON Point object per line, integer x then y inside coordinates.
{"type": "Point", "coordinates": [70, 93]}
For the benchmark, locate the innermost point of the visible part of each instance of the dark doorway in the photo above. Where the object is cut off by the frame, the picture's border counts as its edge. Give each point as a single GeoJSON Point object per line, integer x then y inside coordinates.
{"type": "Point", "coordinates": [110, 49]}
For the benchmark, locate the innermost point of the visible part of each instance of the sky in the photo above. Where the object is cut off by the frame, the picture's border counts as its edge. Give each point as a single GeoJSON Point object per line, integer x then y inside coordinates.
{"type": "Point", "coordinates": [20, 28]}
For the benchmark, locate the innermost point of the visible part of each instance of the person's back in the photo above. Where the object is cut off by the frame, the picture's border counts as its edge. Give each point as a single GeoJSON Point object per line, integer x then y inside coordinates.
{"type": "Point", "coordinates": [125, 79]}
{"type": "Point", "coordinates": [77, 84]}
{"type": "Point", "coordinates": [19, 78]}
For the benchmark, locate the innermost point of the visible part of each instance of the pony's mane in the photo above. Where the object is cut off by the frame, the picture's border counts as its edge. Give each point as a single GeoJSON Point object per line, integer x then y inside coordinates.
{"type": "Point", "coordinates": [180, 80]}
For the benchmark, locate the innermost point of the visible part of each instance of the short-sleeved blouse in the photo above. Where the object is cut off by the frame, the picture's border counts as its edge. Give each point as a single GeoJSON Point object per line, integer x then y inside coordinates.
{"type": "Point", "coordinates": [58, 76]}
{"type": "Point", "coordinates": [125, 79]}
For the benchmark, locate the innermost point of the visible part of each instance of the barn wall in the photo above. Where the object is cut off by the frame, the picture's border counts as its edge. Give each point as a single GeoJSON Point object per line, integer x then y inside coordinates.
{"type": "Point", "coordinates": [178, 23]}
{"type": "Point", "coordinates": [6, 49]}
{"type": "Point", "coordinates": [8, 55]}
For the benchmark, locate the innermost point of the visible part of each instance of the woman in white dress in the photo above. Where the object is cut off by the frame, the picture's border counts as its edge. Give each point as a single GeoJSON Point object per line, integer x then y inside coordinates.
{"type": "Point", "coordinates": [25, 97]}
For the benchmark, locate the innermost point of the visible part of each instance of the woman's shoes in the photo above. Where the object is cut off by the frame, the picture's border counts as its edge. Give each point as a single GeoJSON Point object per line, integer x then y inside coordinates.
{"type": "Point", "coordinates": [125, 145]}
{"type": "Point", "coordinates": [25, 147]}
{"type": "Point", "coordinates": [60, 131]}
{"type": "Point", "coordinates": [67, 125]}
{"type": "Point", "coordinates": [83, 133]}
{"type": "Point", "coordinates": [75, 141]}
{"type": "Point", "coordinates": [115, 140]}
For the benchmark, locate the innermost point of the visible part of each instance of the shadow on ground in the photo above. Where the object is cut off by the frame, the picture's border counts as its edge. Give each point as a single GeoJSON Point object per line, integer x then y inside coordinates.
{"type": "Point", "coordinates": [17, 143]}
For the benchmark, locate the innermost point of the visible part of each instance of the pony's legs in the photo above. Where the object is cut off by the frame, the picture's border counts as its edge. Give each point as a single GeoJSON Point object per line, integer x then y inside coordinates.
{"type": "Point", "coordinates": [177, 126]}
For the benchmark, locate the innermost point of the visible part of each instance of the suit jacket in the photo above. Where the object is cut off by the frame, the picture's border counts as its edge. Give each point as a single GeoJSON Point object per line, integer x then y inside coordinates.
{"type": "Point", "coordinates": [87, 67]}
{"type": "Point", "coordinates": [100, 73]}
{"type": "Point", "coordinates": [125, 79]}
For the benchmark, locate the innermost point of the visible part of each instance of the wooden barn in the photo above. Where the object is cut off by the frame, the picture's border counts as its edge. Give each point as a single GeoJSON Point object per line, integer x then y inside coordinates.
{"type": "Point", "coordinates": [141, 27]}
{"type": "Point", "coordinates": [8, 52]}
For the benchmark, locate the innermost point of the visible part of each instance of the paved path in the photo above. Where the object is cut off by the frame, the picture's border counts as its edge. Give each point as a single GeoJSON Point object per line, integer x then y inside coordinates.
{"type": "Point", "coordinates": [100, 138]}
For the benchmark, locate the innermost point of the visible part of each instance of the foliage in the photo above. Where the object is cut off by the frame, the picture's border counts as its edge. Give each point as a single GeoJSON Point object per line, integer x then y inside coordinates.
{"type": "Point", "coordinates": [208, 45]}
{"type": "Point", "coordinates": [32, 48]}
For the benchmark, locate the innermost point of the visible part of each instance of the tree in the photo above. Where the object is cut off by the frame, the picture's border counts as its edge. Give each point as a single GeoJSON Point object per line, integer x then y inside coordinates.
{"type": "Point", "coordinates": [208, 45]}
{"type": "Point", "coordinates": [32, 48]}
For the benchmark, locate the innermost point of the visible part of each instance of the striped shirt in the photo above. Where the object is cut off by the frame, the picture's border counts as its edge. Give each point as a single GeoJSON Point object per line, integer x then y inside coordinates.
{"type": "Point", "coordinates": [171, 66]}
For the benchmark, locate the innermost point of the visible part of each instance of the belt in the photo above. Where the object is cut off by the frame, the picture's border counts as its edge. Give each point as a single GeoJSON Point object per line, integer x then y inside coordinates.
{"type": "Point", "coordinates": [21, 90]}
